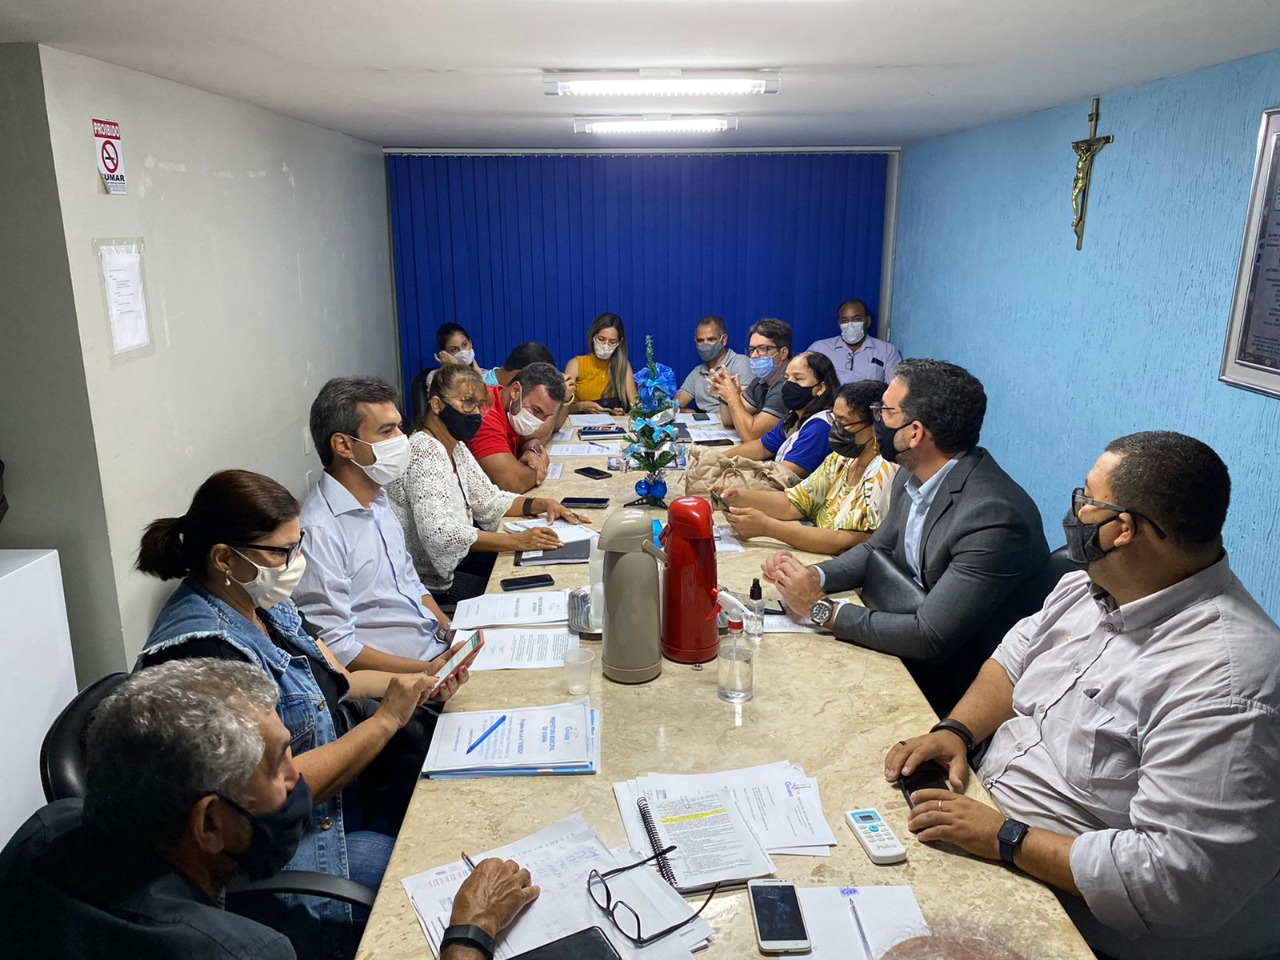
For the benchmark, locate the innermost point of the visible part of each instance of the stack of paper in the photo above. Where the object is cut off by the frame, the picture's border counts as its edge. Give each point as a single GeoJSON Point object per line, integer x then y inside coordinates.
{"type": "Point", "coordinates": [588, 448]}
{"type": "Point", "coordinates": [859, 923]}
{"type": "Point", "coordinates": [576, 539]}
{"type": "Point", "coordinates": [558, 740]}
{"type": "Point", "coordinates": [514, 648]}
{"type": "Point", "coordinates": [559, 859]}
{"type": "Point", "coordinates": [726, 542]}
{"type": "Point", "coordinates": [779, 804]}
{"type": "Point", "coordinates": [708, 434]}
{"type": "Point", "coordinates": [510, 609]}
{"type": "Point", "coordinates": [591, 420]}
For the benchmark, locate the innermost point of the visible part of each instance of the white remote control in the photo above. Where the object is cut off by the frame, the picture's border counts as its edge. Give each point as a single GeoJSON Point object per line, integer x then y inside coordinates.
{"type": "Point", "coordinates": [880, 843]}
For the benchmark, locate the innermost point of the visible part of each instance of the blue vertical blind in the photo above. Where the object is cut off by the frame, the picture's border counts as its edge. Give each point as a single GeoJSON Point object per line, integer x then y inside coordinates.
{"type": "Point", "coordinates": [534, 247]}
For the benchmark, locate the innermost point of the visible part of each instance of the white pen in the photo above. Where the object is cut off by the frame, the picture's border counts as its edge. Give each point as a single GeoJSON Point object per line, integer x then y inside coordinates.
{"type": "Point", "coordinates": [866, 947]}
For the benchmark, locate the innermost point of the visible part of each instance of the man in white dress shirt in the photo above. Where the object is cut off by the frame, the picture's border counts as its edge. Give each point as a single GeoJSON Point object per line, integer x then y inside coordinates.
{"type": "Point", "coordinates": [1134, 724]}
{"type": "Point", "coordinates": [360, 588]}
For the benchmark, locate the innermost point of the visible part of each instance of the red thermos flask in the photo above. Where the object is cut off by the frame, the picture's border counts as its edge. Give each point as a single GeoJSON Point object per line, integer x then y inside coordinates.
{"type": "Point", "coordinates": [689, 633]}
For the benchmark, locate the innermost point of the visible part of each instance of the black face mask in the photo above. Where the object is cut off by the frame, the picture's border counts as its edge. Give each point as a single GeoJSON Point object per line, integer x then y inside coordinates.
{"type": "Point", "coordinates": [276, 835]}
{"type": "Point", "coordinates": [796, 397]}
{"type": "Point", "coordinates": [843, 444]}
{"type": "Point", "coordinates": [461, 426]}
{"type": "Point", "coordinates": [1082, 538]}
{"type": "Point", "coordinates": [884, 440]}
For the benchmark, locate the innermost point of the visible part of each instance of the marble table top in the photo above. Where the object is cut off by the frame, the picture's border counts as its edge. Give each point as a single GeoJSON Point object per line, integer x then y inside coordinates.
{"type": "Point", "coordinates": [830, 706]}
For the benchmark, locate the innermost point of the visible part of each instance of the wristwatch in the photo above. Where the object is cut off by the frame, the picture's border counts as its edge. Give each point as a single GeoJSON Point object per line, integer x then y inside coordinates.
{"type": "Point", "coordinates": [1011, 835]}
{"type": "Point", "coordinates": [527, 508]}
{"type": "Point", "coordinates": [471, 936]}
{"type": "Point", "coordinates": [821, 612]}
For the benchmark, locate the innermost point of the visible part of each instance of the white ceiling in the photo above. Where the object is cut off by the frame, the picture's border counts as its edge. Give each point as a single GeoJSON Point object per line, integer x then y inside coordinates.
{"type": "Point", "coordinates": [466, 73]}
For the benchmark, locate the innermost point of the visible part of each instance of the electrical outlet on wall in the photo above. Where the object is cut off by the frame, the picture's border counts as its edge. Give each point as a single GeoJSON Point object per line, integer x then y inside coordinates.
{"type": "Point", "coordinates": [307, 447]}
{"type": "Point", "coordinates": [311, 481]}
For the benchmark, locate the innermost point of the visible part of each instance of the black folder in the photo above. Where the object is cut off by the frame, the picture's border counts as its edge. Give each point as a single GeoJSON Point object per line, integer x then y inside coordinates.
{"type": "Point", "coordinates": [588, 944]}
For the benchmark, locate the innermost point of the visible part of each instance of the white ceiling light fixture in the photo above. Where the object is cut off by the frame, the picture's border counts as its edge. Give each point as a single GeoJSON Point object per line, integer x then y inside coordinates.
{"type": "Point", "coordinates": [660, 83]}
{"type": "Point", "coordinates": [656, 123]}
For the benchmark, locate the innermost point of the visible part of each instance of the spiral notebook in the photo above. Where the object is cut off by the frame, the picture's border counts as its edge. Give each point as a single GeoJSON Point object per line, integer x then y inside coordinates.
{"type": "Point", "coordinates": [713, 843]}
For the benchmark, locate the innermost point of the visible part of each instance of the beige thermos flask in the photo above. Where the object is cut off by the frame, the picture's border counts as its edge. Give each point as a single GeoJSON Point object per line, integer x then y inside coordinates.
{"type": "Point", "coordinates": [631, 647]}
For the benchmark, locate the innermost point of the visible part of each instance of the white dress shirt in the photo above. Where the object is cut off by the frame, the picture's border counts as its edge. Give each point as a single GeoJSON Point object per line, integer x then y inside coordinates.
{"type": "Point", "coordinates": [1151, 733]}
{"type": "Point", "coordinates": [360, 587]}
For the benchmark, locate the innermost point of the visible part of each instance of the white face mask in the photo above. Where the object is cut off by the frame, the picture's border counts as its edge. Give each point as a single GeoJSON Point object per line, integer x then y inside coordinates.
{"type": "Point", "coordinates": [391, 459]}
{"type": "Point", "coordinates": [273, 585]}
{"type": "Point", "coordinates": [603, 352]}
{"type": "Point", "coordinates": [853, 332]}
{"type": "Point", "coordinates": [524, 422]}
{"type": "Point", "coordinates": [465, 357]}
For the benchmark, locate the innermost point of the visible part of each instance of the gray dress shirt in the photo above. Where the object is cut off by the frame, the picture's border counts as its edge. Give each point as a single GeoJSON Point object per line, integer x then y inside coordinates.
{"type": "Point", "coordinates": [1151, 733]}
{"type": "Point", "coordinates": [360, 587]}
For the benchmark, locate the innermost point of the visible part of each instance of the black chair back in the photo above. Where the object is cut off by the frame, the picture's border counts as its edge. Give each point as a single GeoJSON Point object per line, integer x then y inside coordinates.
{"type": "Point", "coordinates": [63, 753]}
{"type": "Point", "coordinates": [1061, 564]}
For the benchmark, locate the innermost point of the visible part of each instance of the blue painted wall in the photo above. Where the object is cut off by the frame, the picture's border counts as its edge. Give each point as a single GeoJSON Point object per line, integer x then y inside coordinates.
{"type": "Point", "coordinates": [535, 247]}
{"type": "Point", "coordinates": [1077, 348]}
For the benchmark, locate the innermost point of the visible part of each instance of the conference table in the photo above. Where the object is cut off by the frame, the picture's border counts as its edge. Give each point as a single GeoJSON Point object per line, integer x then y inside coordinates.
{"type": "Point", "coordinates": [832, 707]}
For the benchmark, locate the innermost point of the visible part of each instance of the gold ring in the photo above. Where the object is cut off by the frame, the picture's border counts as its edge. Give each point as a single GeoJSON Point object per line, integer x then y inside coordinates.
{"type": "Point", "coordinates": [939, 806]}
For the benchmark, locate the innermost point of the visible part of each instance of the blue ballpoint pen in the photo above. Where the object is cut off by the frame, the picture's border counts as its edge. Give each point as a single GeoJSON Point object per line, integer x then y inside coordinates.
{"type": "Point", "coordinates": [484, 736]}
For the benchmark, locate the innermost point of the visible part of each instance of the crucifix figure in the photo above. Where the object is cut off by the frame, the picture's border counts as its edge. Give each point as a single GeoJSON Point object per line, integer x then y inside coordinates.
{"type": "Point", "coordinates": [1085, 150]}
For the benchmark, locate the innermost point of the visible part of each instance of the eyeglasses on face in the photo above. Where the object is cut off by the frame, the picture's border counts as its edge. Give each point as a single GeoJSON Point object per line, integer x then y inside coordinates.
{"type": "Point", "coordinates": [878, 410]}
{"type": "Point", "coordinates": [1078, 500]}
{"type": "Point", "coordinates": [762, 350]}
{"type": "Point", "coordinates": [622, 916]}
{"type": "Point", "coordinates": [465, 404]}
{"type": "Point", "coordinates": [287, 552]}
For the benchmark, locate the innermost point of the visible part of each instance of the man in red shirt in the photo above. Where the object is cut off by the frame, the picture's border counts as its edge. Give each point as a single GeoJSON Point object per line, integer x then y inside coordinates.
{"type": "Point", "coordinates": [511, 444]}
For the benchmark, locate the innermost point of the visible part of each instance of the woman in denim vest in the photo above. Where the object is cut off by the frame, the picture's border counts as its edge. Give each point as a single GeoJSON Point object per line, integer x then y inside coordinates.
{"type": "Point", "coordinates": [236, 549]}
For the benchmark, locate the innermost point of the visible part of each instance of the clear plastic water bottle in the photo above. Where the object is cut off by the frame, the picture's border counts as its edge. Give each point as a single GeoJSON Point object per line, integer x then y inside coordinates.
{"type": "Point", "coordinates": [753, 622]}
{"type": "Point", "coordinates": [734, 665]}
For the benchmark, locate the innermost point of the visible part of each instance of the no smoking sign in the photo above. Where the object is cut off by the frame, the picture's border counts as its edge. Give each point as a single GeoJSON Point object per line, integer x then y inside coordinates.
{"type": "Point", "coordinates": [106, 135]}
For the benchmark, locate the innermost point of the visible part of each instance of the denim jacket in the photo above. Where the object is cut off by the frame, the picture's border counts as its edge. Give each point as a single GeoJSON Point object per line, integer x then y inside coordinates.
{"type": "Point", "coordinates": [319, 927]}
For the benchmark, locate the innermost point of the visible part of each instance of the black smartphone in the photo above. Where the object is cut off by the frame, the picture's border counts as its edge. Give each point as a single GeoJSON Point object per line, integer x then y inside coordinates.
{"type": "Point", "coordinates": [585, 503]}
{"type": "Point", "coordinates": [927, 776]}
{"type": "Point", "coordinates": [715, 443]}
{"type": "Point", "coordinates": [527, 583]}
{"type": "Point", "coordinates": [719, 501]}
{"type": "Point", "coordinates": [594, 473]}
{"type": "Point", "coordinates": [701, 416]}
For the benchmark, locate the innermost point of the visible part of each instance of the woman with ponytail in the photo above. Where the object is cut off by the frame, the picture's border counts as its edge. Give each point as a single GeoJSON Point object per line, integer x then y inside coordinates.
{"type": "Point", "coordinates": [236, 551]}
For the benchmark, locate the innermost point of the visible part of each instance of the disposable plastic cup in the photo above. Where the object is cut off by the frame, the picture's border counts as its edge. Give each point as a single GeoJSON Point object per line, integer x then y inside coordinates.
{"type": "Point", "coordinates": [577, 669]}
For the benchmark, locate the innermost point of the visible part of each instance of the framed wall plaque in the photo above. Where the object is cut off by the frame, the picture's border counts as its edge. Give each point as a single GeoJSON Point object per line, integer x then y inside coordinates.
{"type": "Point", "coordinates": [1251, 356]}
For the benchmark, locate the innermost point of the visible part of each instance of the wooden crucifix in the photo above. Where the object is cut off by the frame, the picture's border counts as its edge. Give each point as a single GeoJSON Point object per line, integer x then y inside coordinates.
{"type": "Point", "coordinates": [1085, 150]}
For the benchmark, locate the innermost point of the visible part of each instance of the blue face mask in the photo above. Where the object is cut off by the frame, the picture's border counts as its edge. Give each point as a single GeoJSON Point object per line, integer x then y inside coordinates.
{"type": "Point", "coordinates": [762, 366]}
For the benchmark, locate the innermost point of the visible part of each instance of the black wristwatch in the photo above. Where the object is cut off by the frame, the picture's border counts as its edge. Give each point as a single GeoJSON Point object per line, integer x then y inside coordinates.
{"type": "Point", "coordinates": [1011, 836]}
{"type": "Point", "coordinates": [471, 936]}
{"type": "Point", "coordinates": [527, 508]}
{"type": "Point", "coordinates": [956, 727]}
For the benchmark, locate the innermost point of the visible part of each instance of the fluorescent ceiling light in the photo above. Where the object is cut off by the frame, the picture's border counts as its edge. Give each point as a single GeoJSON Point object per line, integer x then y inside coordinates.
{"type": "Point", "coordinates": [659, 123]}
{"type": "Point", "coordinates": [661, 83]}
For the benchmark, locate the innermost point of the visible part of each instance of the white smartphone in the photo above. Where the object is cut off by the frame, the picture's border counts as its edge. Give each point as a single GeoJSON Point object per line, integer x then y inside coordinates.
{"type": "Point", "coordinates": [454, 662]}
{"type": "Point", "coordinates": [775, 907]}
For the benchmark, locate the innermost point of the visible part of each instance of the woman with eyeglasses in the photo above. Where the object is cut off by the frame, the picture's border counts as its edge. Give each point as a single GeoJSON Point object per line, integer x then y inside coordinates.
{"type": "Point", "coordinates": [604, 382]}
{"type": "Point", "coordinates": [800, 440]}
{"type": "Point", "coordinates": [237, 552]}
{"type": "Point", "coordinates": [450, 510]}
{"type": "Point", "coordinates": [845, 498]}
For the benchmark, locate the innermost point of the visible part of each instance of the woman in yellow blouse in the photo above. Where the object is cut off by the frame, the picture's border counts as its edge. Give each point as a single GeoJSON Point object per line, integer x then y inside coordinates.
{"type": "Point", "coordinates": [845, 498]}
{"type": "Point", "coordinates": [603, 376]}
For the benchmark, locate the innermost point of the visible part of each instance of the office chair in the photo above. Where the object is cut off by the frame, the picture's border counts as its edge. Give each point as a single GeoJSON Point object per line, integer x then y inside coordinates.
{"type": "Point", "coordinates": [1061, 564]}
{"type": "Point", "coordinates": [63, 761]}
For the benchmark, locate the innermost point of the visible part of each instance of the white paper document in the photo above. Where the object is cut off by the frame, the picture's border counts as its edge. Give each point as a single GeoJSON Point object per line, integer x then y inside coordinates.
{"type": "Point", "coordinates": [784, 623]}
{"type": "Point", "coordinates": [500, 609]}
{"type": "Point", "coordinates": [588, 448]}
{"type": "Point", "coordinates": [563, 435]}
{"type": "Point", "coordinates": [559, 860]}
{"type": "Point", "coordinates": [126, 299]}
{"type": "Point", "coordinates": [713, 843]}
{"type": "Point", "coordinates": [591, 420]}
{"type": "Point", "coordinates": [888, 915]}
{"type": "Point", "coordinates": [780, 804]}
{"type": "Point", "coordinates": [567, 532]}
{"type": "Point", "coordinates": [702, 434]}
{"type": "Point", "coordinates": [726, 542]}
{"type": "Point", "coordinates": [528, 739]}
{"type": "Point", "coordinates": [555, 471]}
{"type": "Point", "coordinates": [521, 649]}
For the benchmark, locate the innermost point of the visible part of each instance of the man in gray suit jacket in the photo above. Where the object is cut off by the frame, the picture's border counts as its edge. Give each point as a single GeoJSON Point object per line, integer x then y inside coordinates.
{"type": "Point", "coordinates": [958, 526]}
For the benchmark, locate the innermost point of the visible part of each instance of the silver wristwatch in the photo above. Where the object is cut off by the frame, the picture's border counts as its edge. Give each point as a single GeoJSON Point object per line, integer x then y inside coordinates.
{"type": "Point", "coordinates": [821, 612]}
